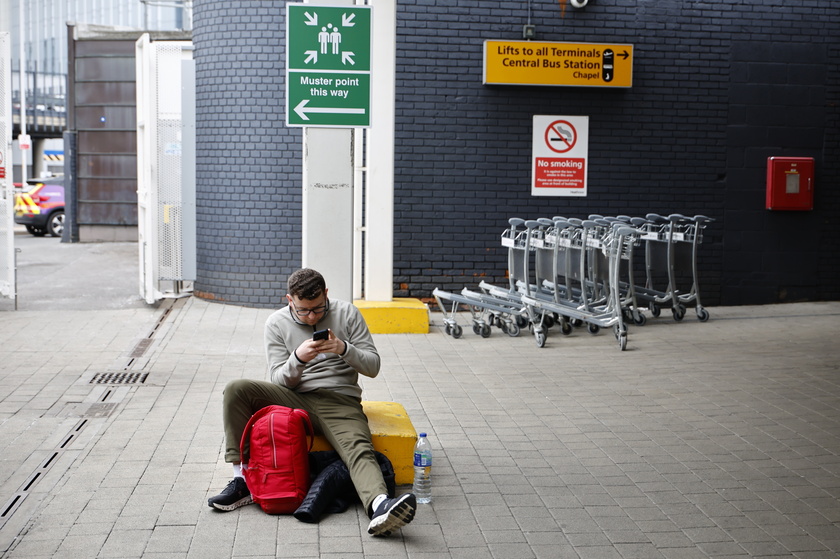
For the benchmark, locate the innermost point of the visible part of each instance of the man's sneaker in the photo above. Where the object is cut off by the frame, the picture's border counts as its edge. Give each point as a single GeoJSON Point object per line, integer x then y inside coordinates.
{"type": "Point", "coordinates": [392, 514]}
{"type": "Point", "coordinates": [235, 495]}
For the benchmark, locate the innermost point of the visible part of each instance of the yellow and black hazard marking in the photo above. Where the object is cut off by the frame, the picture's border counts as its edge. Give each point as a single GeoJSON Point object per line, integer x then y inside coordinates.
{"type": "Point", "coordinates": [24, 205]}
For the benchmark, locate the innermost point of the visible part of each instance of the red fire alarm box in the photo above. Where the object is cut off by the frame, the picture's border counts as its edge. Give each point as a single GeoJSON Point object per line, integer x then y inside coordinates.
{"type": "Point", "coordinates": [790, 183]}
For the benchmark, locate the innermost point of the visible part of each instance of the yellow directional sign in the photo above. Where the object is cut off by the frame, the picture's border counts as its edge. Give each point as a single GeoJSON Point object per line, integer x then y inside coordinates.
{"type": "Point", "coordinates": [555, 63]}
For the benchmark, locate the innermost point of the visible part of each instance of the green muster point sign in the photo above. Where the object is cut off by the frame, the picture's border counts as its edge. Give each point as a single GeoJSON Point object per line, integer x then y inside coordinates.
{"type": "Point", "coordinates": [328, 65]}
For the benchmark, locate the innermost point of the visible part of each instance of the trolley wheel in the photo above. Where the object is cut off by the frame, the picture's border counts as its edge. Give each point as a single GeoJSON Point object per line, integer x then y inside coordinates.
{"type": "Point", "coordinates": [512, 330]}
{"type": "Point", "coordinates": [577, 323]}
{"type": "Point", "coordinates": [702, 314]}
{"type": "Point", "coordinates": [565, 327]}
{"type": "Point", "coordinates": [447, 329]}
{"type": "Point", "coordinates": [654, 309]}
{"type": "Point", "coordinates": [639, 319]}
{"type": "Point", "coordinates": [678, 312]}
{"type": "Point", "coordinates": [476, 328]}
{"type": "Point", "coordinates": [593, 329]}
{"type": "Point", "coordinates": [521, 321]}
{"type": "Point", "coordinates": [622, 341]}
{"type": "Point", "coordinates": [485, 331]}
{"type": "Point", "coordinates": [548, 321]}
{"type": "Point", "coordinates": [457, 331]}
{"type": "Point", "coordinates": [540, 339]}
{"type": "Point", "coordinates": [503, 327]}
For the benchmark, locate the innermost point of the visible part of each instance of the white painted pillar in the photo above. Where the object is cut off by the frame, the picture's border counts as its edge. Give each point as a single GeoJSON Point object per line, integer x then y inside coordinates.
{"type": "Point", "coordinates": [327, 242]}
{"type": "Point", "coordinates": [379, 207]}
{"type": "Point", "coordinates": [327, 202]}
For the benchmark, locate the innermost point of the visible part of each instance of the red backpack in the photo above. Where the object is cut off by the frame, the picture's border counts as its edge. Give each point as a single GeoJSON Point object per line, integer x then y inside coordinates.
{"type": "Point", "coordinates": [275, 458]}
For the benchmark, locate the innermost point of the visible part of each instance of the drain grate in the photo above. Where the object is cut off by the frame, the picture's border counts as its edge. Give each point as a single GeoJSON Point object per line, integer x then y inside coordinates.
{"type": "Point", "coordinates": [122, 377]}
{"type": "Point", "coordinates": [141, 347]}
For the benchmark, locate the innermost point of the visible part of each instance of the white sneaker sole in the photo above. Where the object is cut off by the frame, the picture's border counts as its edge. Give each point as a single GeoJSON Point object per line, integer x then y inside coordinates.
{"type": "Point", "coordinates": [400, 514]}
{"type": "Point", "coordinates": [233, 506]}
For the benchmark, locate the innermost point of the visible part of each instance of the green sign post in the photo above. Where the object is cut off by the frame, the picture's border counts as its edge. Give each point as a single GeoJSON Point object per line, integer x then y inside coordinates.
{"type": "Point", "coordinates": [328, 65]}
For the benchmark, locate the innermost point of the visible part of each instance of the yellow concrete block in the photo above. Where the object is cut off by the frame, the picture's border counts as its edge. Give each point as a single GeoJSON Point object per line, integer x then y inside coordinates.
{"type": "Point", "coordinates": [393, 435]}
{"type": "Point", "coordinates": [400, 316]}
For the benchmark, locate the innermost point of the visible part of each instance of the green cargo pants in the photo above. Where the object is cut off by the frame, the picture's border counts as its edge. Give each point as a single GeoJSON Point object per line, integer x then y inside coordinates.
{"type": "Point", "coordinates": [338, 417]}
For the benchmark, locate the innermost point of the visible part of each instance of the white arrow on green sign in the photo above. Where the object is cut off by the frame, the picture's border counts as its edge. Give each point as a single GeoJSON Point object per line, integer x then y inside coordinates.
{"type": "Point", "coordinates": [328, 65]}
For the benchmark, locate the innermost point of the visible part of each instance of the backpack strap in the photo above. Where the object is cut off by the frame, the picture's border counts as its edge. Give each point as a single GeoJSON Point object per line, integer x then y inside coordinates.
{"type": "Point", "coordinates": [307, 426]}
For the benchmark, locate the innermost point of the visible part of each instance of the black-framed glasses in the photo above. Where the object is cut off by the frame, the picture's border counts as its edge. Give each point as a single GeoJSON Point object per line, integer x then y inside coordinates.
{"type": "Point", "coordinates": [321, 309]}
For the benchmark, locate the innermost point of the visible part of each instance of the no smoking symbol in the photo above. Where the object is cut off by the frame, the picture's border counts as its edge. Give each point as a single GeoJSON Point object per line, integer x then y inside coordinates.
{"type": "Point", "coordinates": [560, 136]}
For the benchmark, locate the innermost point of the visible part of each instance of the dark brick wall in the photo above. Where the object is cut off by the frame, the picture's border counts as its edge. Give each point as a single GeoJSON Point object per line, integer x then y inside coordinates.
{"type": "Point", "coordinates": [248, 162]}
{"type": "Point", "coordinates": [778, 107]}
{"type": "Point", "coordinates": [718, 87]}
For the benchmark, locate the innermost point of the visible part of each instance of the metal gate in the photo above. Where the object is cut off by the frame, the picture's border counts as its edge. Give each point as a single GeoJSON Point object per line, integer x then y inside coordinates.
{"type": "Point", "coordinates": [165, 168]}
{"type": "Point", "coordinates": [7, 194]}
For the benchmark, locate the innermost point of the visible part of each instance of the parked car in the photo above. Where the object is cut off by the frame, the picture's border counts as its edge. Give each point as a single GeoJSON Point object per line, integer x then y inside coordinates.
{"type": "Point", "coordinates": [41, 208]}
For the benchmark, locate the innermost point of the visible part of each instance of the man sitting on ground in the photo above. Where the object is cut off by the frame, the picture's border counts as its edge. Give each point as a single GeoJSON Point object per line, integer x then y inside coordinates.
{"type": "Point", "coordinates": [321, 377]}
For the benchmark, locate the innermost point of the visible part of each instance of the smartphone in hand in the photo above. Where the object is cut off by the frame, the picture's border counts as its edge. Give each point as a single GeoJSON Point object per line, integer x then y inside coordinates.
{"type": "Point", "coordinates": [321, 335]}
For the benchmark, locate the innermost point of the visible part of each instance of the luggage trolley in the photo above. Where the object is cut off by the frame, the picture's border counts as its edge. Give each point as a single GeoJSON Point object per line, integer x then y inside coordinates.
{"type": "Point", "coordinates": [629, 301]}
{"type": "Point", "coordinates": [516, 241]}
{"type": "Point", "coordinates": [568, 275]}
{"type": "Point", "coordinates": [671, 243]}
{"type": "Point", "coordinates": [479, 309]}
{"type": "Point", "coordinates": [584, 267]}
{"type": "Point", "coordinates": [501, 308]}
{"type": "Point", "coordinates": [614, 244]}
{"type": "Point", "coordinates": [520, 246]}
{"type": "Point", "coordinates": [630, 287]}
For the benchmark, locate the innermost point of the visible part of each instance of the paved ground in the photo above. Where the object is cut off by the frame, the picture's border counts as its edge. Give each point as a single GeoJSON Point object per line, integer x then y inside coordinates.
{"type": "Point", "coordinates": [61, 276]}
{"type": "Point", "coordinates": [716, 439]}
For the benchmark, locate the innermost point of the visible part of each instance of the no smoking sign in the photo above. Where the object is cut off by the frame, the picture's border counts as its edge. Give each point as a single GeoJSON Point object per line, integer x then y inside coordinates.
{"type": "Point", "coordinates": [560, 146]}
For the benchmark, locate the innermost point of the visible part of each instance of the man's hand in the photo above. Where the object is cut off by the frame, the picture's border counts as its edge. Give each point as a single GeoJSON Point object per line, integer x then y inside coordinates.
{"type": "Point", "coordinates": [310, 349]}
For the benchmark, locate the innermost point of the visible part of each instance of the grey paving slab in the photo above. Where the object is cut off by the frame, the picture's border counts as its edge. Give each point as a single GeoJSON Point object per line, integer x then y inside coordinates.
{"type": "Point", "coordinates": [701, 440]}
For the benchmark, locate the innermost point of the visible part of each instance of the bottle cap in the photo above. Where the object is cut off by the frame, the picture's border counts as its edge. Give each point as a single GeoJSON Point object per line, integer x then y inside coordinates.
{"type": "Point", "coordinates": [422, 434]}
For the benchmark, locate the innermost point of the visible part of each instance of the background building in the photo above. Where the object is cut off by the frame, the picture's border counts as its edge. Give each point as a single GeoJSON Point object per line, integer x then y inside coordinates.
{"type": "Point", "coordinates": [45, 51]}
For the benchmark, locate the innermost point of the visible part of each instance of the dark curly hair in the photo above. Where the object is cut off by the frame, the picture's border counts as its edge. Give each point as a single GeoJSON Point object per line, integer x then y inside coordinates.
{"type": "Point", "coordinates": [306, 284]}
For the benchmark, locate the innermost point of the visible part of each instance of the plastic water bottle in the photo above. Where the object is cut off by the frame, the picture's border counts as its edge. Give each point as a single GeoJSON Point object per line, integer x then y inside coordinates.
{"type": "Point", "coordinates": [423, 470]}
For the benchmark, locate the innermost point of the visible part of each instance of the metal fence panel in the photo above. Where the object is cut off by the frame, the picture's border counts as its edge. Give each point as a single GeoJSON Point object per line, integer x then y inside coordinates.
{"type": "Point", "coordinates": [7, 196]}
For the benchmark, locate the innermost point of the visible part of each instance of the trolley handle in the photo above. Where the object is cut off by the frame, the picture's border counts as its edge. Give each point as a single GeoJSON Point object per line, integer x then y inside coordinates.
{"type": "Point", "coordinates": [656, 218]}
{"type": "Point", "coordinates": [516, 222]}
{"type": "Point", "coordinates": [625, 231]}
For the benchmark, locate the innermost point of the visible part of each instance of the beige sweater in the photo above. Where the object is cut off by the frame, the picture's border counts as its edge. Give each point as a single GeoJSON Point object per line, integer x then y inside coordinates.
{"type": "Point", "coordinates": [284, 333]}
